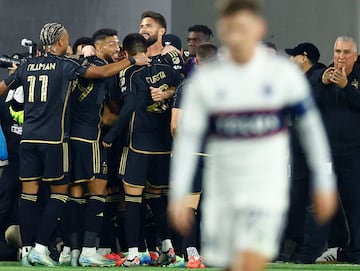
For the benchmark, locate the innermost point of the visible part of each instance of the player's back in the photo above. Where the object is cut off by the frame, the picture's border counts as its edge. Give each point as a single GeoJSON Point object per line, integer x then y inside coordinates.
{"type": "Point", "coordinates": [47, 82]}
{"type": "Point", "coordinates": [151, 123]}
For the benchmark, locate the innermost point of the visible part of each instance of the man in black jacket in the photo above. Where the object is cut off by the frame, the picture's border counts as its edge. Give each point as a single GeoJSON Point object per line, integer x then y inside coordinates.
{"type": "Point", "coordinates": [337, 93]}
{"type": "Point", "coordinates": [305, 56]}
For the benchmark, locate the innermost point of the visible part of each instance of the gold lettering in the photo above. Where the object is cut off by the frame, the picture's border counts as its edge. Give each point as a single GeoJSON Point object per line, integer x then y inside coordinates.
{"type": "Point", "coordinates": [41, 67]}
{"type": "Point", "coordinates": [155, 78]}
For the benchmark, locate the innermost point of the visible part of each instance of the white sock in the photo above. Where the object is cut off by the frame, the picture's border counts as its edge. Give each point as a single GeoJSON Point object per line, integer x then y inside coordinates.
{"type": "Point", "coordinates": [66, 250]}
{"type": "Point", "coordinates": [88, 251]}
{"type": "Point", "coordinates": [40, 248]}
{"type": "Point", "coordinates": [104, 251]}
{"type": "Point", "coordinates": [75, 253]}
{"type": "Point", "coordinates": [166, 245]}
{"type": "Point", "coordinates": [25, 250]}
{"type": "Point", "coordinates": [133, 252]}
{"type": "Point", "coordinates": [192, 251]}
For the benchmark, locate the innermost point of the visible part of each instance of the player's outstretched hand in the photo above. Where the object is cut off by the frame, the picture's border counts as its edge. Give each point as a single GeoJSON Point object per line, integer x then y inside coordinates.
{"type": "Point", "coordinates": [324, 205]}
{"type": "Point", "coordinates": [142, 60]}
{"type": "Point", "coordinates": [180, 216]}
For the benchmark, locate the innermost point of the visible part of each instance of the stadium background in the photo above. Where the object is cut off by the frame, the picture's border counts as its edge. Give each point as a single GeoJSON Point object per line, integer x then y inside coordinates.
{"type": "Point", "coordinates": [290, 21]}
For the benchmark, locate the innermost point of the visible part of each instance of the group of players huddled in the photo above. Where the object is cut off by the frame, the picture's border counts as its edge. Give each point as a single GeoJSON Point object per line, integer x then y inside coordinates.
{"type": "Point", "coordinates": [97, 135]}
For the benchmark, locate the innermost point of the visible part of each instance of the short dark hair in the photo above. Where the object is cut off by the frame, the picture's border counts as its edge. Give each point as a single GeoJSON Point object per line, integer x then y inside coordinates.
{"type": "Point", "coordinates": [202, 29]}
{"type": "Point", "coordinates": [229, 7]}
{"type": "Point", "coordinates": [206, 51]}
{"type": "Point", "coordinates": [82, 40]}
{"type": "Point", "coordinates": [134, 43]}
{"type": "Point", "coordinates": [157, 17]}
{"type": "Point", "coordinates": [101, 34]}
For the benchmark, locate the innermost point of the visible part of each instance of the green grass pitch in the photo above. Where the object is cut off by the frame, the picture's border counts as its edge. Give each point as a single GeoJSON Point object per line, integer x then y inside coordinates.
{"type": "Point", "coordinates": [14, 266]}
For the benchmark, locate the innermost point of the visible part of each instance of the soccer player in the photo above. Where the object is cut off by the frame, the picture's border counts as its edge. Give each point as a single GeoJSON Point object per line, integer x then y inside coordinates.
{"type": "Point", "coordinates": [147, 160]}
{"type": "Point", "coordinates": [239, 103]}
{"type": "Point", "coordinates": [47, 82]}
{"type": "Point", "coordinates": [89, 158]}
{"type": "Point", "coordinates": [205, 52]}
{"type": "Point", "coordinates": [198, 34]}
{"type": "Point", "coordinates": [153, 28]}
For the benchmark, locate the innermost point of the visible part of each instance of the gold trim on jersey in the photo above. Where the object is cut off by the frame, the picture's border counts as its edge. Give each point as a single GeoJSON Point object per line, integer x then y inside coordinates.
{"type": "Point", "coordinates": [173, 54]}
{"type": "Point", "coordinates": [132, 185]}
{"type": "Point", "coordinates": [53, 179]}
{"type": "Point", "coordinates": [136, 199]}
{"type": "Point", "coordinates": [40, 141]}
{"type": "Point", "coordinates": [123, 160]}
{"type": "Point", "coordinates": [83, 139]}
{"type": "Point", "coordinates": [96, 157]}
{"type": "Point", "coordinates": [60, 197]}
{"type": "Point", "coordinates": [141, 151]}
{"type": "Point", "coordinates": [98, 198]}
{"type": "Point", "coordinates": [29, 179]}
{"type": "Point", "coordinates": [64, 109]}
{"type": "Point", "coordinates": [65, 156]}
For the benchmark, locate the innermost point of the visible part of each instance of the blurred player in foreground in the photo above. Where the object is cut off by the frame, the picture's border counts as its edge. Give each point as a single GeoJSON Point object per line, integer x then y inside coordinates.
{"type": "Point", "coordinates": [241, 103]}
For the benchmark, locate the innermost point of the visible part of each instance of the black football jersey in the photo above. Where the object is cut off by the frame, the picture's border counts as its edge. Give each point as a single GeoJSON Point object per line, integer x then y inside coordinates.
{"type": "Point", "coordinates": [150, 122]}
{"type": "Point", "coordinates": [47, 83]}
{"type": "Point", "coordinates": [87, 101]}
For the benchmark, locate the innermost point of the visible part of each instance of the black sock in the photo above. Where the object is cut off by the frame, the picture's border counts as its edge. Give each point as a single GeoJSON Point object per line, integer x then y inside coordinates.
{"type": "Point", "coordinates": [27, 212]}
{"type": "Point", "coordinates": [50, 218]}
{"type": "Point", "coordinates": [158, 208]}
{"type": "Point", "coordinates": [150, 230]}
{"type": "Point", "coordinates": [107, 232]}
{"type": "Point", "coordinates": [93, 219]}
{"type": "Point", "coordinates": [120, 230]}
{"type": "Point", "coordinates": [132, 219]}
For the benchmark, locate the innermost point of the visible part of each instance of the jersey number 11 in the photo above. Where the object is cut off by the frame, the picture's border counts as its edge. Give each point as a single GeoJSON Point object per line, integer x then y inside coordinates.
{"type": "Point", "coordinates": [44, 79]}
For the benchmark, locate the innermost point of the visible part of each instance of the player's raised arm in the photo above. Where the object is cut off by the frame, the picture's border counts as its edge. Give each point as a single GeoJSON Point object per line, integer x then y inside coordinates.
{"type": "Point", "coordinates": [108, 70]}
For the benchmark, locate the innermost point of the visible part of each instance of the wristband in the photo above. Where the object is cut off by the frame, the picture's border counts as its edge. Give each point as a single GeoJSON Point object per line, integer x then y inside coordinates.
{"type": "Point", "coordinates": [132, 60]}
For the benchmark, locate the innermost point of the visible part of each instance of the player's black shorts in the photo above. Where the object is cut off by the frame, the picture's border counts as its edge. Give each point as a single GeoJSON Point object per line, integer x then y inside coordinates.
{"type": "Point", "coordinates": [46, 162]}
{"type": "Point", "coordinates": [88, 161]}
{"type": "Point", "coordinates": [198, 178]}
{"type": "Point", "coordinates": [113, 156]}
{"type": "Point", "coordinates": [151, 169]}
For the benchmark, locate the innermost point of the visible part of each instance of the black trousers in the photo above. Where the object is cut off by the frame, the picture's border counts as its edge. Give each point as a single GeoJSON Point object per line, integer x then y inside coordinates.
{"type": "Point", "coordinates": [344, 229]}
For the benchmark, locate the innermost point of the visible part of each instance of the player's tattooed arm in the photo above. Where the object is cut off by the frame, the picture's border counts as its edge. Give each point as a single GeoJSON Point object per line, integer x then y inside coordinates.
{"type": "Point", "coordinates": [94, 72]}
